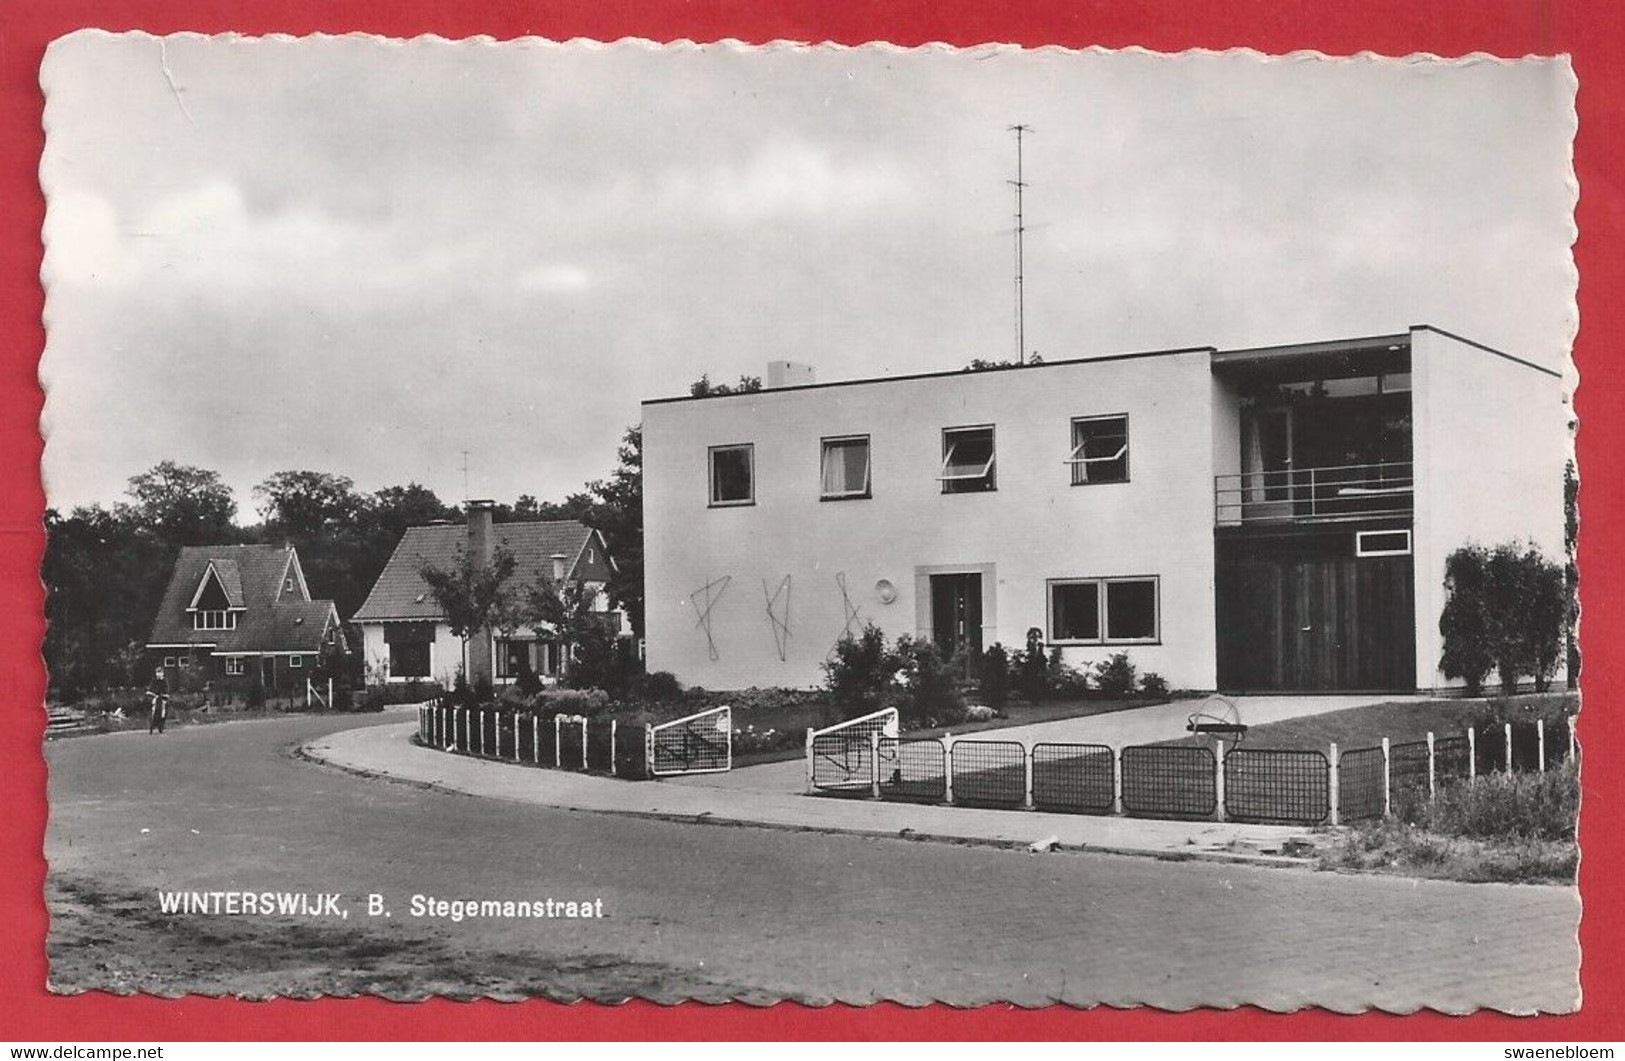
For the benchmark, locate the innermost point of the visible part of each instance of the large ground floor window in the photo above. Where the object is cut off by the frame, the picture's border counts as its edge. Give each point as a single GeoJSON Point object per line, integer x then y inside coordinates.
{"type": "Point", "coordinates": [1105, 611]}
{"type": "Point", "coordinates": [514, 654]}
{"type": "Point", "coordinates": [409, 648]}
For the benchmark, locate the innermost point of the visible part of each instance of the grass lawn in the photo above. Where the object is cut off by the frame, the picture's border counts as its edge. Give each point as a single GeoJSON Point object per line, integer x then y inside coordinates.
{"type": "Point", "coordinates": [1364, 727]}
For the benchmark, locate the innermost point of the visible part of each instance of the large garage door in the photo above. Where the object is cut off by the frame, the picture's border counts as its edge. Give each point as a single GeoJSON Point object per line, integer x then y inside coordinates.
{"type": "Point", "coordinates": [1325, 624]}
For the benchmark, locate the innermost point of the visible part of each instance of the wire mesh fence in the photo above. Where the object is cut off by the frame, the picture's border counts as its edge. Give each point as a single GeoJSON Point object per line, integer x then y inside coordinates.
{"type": "Point", "coordinates": [1359, 784]}
{"type": "Point", "coordinates": [1169, 781]}
{"type": "Point", "coordinates": [990, 771]}
{"type": "Point", "coordinates": [1278, 786]}
{"type": "Point", "coordinates": [1408, 767]}
{"type": "Point", "coordinates": [697, 744]}
{"type": "Point", "coordinates": [842, 755]}
{"type": "Point", "coordinates": [917, 769]}
{"type": "Point", "coordinates": [1074, 777]}
{"type": "Point", "coordinates": [1451, 758]}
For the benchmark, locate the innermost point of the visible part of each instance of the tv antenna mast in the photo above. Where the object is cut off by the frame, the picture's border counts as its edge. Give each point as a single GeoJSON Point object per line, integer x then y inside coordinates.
{"type": "Point", "coordinates": [1020, 184]}
{"type": "Point", "coordinates": [465, 476]}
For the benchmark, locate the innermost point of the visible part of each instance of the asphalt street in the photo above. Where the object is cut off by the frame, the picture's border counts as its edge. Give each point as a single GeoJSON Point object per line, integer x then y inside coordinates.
{"type": "Point", "coordinates": [715, 912]}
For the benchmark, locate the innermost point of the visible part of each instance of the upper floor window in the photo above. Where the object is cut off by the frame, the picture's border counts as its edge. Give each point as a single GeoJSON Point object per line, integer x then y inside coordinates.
{"type": "Point", "coordinates": [214, 620]}
{"type": "Point", "coordinates": [733, 475]}
{"type": "Point", "coordinates": [967, 460]}
{"type": "Point", "coordinates": [845, 465]}
{"type": "Point", "coordinates": [1099, 450]}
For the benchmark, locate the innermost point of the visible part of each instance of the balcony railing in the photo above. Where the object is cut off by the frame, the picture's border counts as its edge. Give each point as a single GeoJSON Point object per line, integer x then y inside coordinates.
{"type": "Point", "coordinates": [1314, 495]}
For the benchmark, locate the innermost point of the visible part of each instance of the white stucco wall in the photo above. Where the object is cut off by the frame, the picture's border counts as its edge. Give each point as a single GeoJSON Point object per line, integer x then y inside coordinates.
{"type": "Point", "coordinates": [1035, 526]}
{"type": "Point", "coordinates": [1491, 437]}
{"type": "Point", "coordinates": [445, 653]}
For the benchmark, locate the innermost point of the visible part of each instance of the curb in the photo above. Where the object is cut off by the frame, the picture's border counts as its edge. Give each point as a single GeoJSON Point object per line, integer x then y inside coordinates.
{"type": "Point", "coordinates": [306, 753]}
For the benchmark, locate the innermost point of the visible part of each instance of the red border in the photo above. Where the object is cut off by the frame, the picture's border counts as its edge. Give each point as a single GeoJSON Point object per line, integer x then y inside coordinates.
{"type": "Point", "coordinates": [1591, 32]}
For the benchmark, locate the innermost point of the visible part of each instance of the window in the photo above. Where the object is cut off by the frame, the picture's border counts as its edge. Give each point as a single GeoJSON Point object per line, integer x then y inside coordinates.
{"type": "Point", "coordinates": [733, 475]}
{"type": "Point", "coordinates": [512, 657]}
{"type": "Point", "coordinates": [1382, 543]}
{"type": "Point", "coordinates": [967, 460]}
{"type": "Point", "coordinates": [185, 662]}
{"type": "Point", "coordinates": [287, 585]}
{"type": "Point", "coordinates": [845, 468]}
{"type": "Point", "coordinates": [234, 666]}
{"type": "Point", "coordinates": [409, 659]}
{"type": "Point", "coordinates": [169, 661]}
{"type": "Point", "coordinates": [296, 662]}
{"type": "Point", "coordinates": [214, 620]}
{"type": "Point", "coordinates": [1104, 610]}
{"type": "Point", "coordinates": [1099, 450]}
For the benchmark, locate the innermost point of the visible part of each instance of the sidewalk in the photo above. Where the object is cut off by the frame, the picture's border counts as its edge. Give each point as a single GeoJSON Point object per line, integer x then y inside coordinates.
{"type": "Point", "coordinates": [387, 751]}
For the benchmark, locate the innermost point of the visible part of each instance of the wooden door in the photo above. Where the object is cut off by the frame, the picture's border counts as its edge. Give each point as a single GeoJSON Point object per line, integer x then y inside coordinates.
{"type": "Point", "coordinates": [956, 617]}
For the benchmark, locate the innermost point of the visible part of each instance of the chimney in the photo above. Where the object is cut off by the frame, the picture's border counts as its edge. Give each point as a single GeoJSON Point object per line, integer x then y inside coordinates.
{"type": "Point", "coordinates": [479, 531]}
{"type": "Point", "coordinates": [558, 568]}
{"type": "Point", "coordinates": [788, 374]}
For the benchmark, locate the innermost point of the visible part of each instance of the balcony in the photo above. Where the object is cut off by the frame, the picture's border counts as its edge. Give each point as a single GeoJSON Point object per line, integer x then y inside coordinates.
{"type": "Point", "coordinates": [1336, 494]}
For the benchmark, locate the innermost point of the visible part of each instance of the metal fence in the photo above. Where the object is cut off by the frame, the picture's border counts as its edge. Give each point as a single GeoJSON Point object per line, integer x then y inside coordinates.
{"type": "Point", "coordinates": [701, 743]}
{"type": "Point", "coordinates": [698, 743]}
{"type": "Point", "coordinates": [1279, 786]}
{"type": "Point", "coordinates": [1452, 758]}
{"type": "Point", "coordinates": [1168, 781]}
{"type": "Point", "coordinates": [1360, 784]}
{"type": "Point", "coordinates": [990, 771]}
{"type": "Point", "coordinates": [917, 769]}
{"type": "Point", "coordinates": [1081, 778]}
{"type": "Point", "coordinates": [842, 757]}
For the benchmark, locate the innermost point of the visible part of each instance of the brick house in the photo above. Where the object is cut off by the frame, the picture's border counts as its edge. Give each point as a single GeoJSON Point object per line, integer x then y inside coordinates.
{"type": "Point", "coordinates": [236, 614]}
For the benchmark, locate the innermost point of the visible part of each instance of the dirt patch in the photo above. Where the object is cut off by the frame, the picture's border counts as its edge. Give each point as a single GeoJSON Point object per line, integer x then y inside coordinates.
{"type": "Point", "coordinates": [111, 939]}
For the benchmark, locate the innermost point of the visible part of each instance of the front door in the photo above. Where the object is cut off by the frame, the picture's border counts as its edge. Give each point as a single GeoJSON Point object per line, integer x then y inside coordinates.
{"type": "Point", "coordinates": [956, 617]}
{"type": "Point", "coordinates": [268, 672]}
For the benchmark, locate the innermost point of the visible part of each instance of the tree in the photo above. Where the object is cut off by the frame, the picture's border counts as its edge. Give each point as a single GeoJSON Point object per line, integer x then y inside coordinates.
{"type": "Point", "coordinates": [982, 364]}
{"type": "Point", "coordinates": [704, 388]}
{"type": "Point", "coordinates": [474, 598]}
{"type": "Point", "coordinates": [618, 516]}
{"type": "Point", "coordinates": [569, 610]}
{"type": "Point", "coordinates": [183, 505]}
{"type": "Point", "coordinates": [1504, 610]}
{"type": "Point", "coordinates": [306, 504]}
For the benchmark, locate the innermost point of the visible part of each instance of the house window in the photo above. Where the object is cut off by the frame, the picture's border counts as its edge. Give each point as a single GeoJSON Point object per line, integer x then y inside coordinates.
{"type": "Point", "coordinates": [296, 662]}
{"type": "Point", "coordinates": [1382, 543]}
{"type": "Point", "coordinates": [845, 465]}
{"type": "Point", "coordinates": [733, 475]}
{"type": "Point", "coordinates": [512, 657]}
{"type": "Point", "coordinates": [287, 585]}
{"type": "Point", "coordinates": [234, 666]}
{"type": "Point", "coordinates": [1099, 450]}
{"type": "Point", "coordinates": [214, 620]}
{"type": "Point", "coordinates": [967, 460]}
{"type": "Point", "coordinates": [185, 662]}
{"type": "Point", "coordinates": [1104, 611]}
{"type": "Point", "coordinates": [169, 661]}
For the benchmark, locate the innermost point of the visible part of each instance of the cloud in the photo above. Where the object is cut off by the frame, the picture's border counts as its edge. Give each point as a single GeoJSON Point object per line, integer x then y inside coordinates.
{"type": "Point", "coordinates": [554, 279]}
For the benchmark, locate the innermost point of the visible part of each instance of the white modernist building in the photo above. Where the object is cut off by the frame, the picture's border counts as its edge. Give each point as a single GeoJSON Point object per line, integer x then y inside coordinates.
{"type": "Point", "coordinates": [1258, 519]}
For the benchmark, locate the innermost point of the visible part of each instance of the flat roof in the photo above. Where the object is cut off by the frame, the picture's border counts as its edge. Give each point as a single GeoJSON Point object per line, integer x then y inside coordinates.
{"type": "Point", "coordinates": [1359, 346]}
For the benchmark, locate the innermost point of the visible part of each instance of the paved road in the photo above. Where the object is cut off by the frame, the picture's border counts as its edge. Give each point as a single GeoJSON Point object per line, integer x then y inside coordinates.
{"type": "Point", "coordinates": [713, 912]}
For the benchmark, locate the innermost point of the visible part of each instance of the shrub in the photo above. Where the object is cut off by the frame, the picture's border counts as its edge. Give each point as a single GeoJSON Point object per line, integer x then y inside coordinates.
{"type": "Point", "coordinates": [1538, 806]}
{"type": "Point", "coordinates": [1467, 624]}
{"type": "Point", "coordinates": [1067, 683]}
{"type": "Point", "coordinates": [1154, 685]}
{"type": "Point", "coordinates": [1505, 609]}
{"type": "Point", "coordinates": [660, 686]}
{"type": "Point", "coordinates": [995, 681]}
{"type": "Point", "coordinates": [1114, 676]}
{"type": "Point", "coordinates": [861, 672]}
{"type": "Point", "coordinates": [583, 702]}
{"type": "Point", "coordinates": [527, 682]}
{"type": "Point", "coordinates": [931, 683]}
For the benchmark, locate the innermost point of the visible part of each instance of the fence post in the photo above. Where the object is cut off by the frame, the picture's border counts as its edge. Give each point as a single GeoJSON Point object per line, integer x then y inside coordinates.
{"type": "Point", "coordinates": [1117, 780]}
{"type": "Point", "coordinates": [536, 739]}
{"type": "Point", "coordinates": [1472, 753]}
{"type": "Point", "coordinates": [1571, 720]}
{"type": "Point", "coordinates": [874, 764]}
{"type": "Point", "coordinates": [1334, 783]}
{"type": "Point", "coordinates": [1387, 796]}
{"type": "Point", "coordinates": [1508, 728]}
{"type": "Point", "coordinates": [515, 717]}
{"type": "Point", "coordinates": [612, 748]}
{"type": "Point", "coordinates": [1027, 768]}
{"type": "Point", "coordinates": [558, 760]}
{"type": "Point", "coordinates": [648, 750]}
{"type": "Point", "coordinates": [1540, 742]}
{"type": "Point", "coordinates": [584, 763]}
{"type": "Point", "coordinates": [1218, 780]}
{"type": "Point", "coordinates": [947, 742]}
{"type": "Point", "coordinates": [330, 694]}
{"type": "Point", "coordinates": [1432, 775]}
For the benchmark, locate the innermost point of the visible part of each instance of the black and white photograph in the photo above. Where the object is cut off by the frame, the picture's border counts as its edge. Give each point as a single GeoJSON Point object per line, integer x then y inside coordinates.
{"type": "Point", "coordinates": [614, 520]}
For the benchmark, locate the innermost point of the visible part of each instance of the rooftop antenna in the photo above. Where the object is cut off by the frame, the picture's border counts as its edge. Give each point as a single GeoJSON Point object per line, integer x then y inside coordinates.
{"type": "Point", "coordinates": [465, 476]}
{"type": "Point", "coordinates": [1020, 185]}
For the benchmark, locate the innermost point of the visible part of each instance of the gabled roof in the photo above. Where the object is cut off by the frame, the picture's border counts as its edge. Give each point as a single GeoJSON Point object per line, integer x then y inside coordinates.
{"type": "Point", "coordinates": [230, 578]}
{"type": "Point", "coordinates": [401, 593]}
{"type": "Point", "coordinates": [270, 621]}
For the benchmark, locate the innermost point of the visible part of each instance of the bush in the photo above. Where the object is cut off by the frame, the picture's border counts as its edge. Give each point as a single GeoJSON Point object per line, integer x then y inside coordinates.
{"type": "Point", "coordinates": [1153, 685]}
{"type": "Point", "coordinates": [861, 672]}
{"type": "Point", "coordinates": [1115, 675]}
{"type": "Point", "coordinates": [1067, 683]}
{"type": "Point", "coordinates": [995, 681]}
{"type": "Point", "coordinates": [931, 683]}
{"type": "Point", "coordinates": [1505, 610]}
{"type": "Point", "coordinates": [1538, 806]}
{"type": "Point", "coordinates": [584, 702]}
{"type": "Point", "coordinates": [1031, 668]}
{"type": "Point", "coordinates": [660, 686]}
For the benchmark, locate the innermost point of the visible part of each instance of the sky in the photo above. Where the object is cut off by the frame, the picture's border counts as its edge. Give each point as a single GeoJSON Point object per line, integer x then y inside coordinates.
{"type": "Point", "coordinates": [367, 257]}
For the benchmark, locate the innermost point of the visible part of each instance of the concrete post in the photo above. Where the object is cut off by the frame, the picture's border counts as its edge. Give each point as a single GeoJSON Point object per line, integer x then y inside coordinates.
{"type": "Point", "coordinates": [1432, 772]}
{"type": "Point", "coordinates": [1387, 791]}
{"type": "Point", "coordinates": [558, 754]}
{"type": "Point", "coordinates": [1218, 780]}
{"type": "Point", "coordinates": [1508, 728]}
{"type": "Point", "coordinates": [584, 762]}
{"type": "Point", "coordinates": [1117, 780]}
{"type": "Point", "coordinates": [1540, 742]}
{"type": "Point", "coordinates": [947, 743]}
{"type": "Point", "coordinates": [536, 739]}
{"type": "Point", "coordinates": [1571, 738]}
{"type": "Point", "coordinates": [515, 717]}
{"type": "Point", "coordinates": [1334, 784]}
{"type": "Point", "coordinates": [808, 746]}
{"type": "Point", "coordinates": [1027, 764]}
{"type": "Point", "coordinates": [874, 764]}
{"type": "Point", "coordinates": [1472, 754]}
{"type": "Point", "coordinates": [612, 772]}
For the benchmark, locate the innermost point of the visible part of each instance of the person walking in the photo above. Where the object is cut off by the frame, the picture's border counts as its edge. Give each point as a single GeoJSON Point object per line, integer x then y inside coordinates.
{"type": "Point", "coordinates": [158, 693]}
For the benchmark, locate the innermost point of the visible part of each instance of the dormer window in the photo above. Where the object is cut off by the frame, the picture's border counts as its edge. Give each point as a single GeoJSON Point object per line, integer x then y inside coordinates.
{"type": "Point", "coordinates": [287, 585]}
{"type": "Point", "coordinates": [209, 619]}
